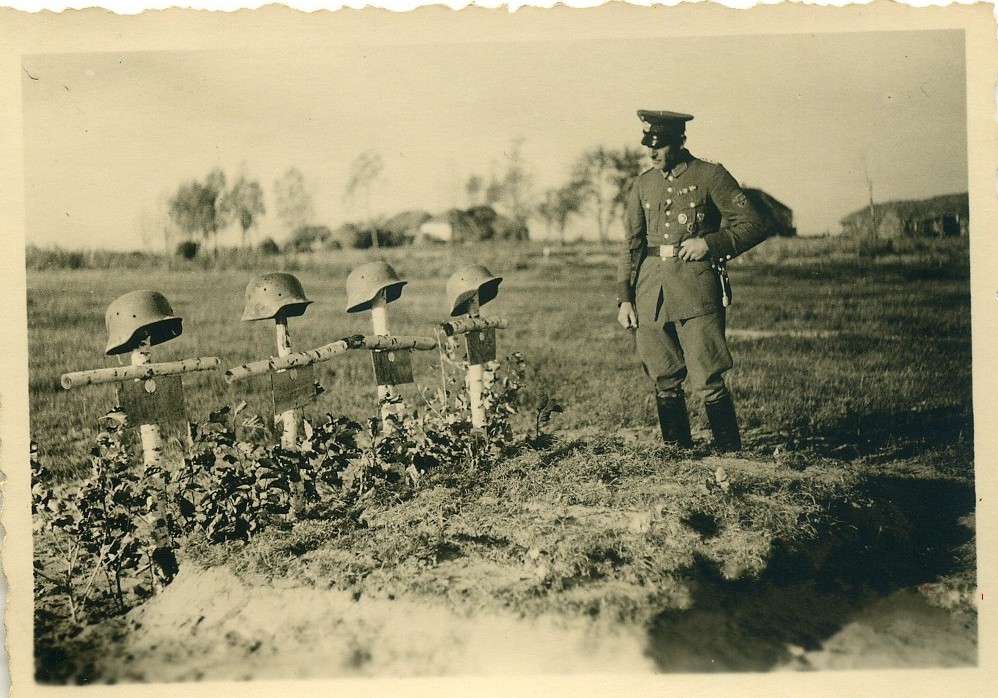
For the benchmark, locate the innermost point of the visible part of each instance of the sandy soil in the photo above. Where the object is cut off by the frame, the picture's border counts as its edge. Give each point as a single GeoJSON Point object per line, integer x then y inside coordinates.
{"type": "Point", "coordinates": [210, 625]}
{"type": "Point", "coordinates": [902, 630]}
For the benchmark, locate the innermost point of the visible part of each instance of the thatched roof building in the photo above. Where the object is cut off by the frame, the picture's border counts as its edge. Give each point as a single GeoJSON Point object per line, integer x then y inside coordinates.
{"type": "Point", "coordinates": [779, 215]}
{"type": "Point", "coordinates": [946, 215]}
{"type": "Point", "coordinates": [476, 223]}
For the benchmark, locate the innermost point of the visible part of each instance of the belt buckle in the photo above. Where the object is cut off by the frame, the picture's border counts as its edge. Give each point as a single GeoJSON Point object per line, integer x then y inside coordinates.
{"type": "Point", "coordinates": [667, 251]}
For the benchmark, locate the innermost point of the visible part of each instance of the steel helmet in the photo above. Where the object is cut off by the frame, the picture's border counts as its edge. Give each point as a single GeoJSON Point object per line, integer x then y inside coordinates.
{"type": "Point", "coordinates": [366, 281]}
{"type": "Point", "coordinates": [270, 295]}
{"type": "Point", "coordinates": [134, 316]}
{"type": "Point", "coordinates": [465, 283]}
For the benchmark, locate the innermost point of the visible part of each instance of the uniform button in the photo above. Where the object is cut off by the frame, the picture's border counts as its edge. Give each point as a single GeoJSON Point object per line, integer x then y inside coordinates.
{"type": "Point", "coordinates": [647, 205]}
{"type": "Point", "coordinates": [692, 205]}
{"type": "Point", "coordinates": [671, 178]}
{"type": "Point", "coordinates": [667, 224]}
{"type": "Point", "coordinates": [668, 201]}
{"type": "Point", "coordinates": [666, 236]}
{"type": "Point", "coordinates": [669, 190]}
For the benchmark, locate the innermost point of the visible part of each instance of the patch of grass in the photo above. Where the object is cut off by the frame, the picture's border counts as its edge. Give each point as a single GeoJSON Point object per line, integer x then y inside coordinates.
{"type": "Point", "coordinates": [881, 343]}
{"type": "Point", "coordinates": [604, 523]}
{"type": "Point", "coordinates": [865, 368]}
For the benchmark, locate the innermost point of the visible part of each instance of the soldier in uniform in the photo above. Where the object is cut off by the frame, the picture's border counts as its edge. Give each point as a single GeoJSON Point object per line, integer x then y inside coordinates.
{"type": "Point", "coordinates": [685, 218]}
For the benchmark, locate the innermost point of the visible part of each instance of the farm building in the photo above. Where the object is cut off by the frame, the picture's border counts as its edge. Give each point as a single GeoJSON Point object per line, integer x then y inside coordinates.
{"type": "Point", "coordinates": [407, 223]}
{"type": "Point", "coordinates": [780, 215]}
{"type": "Point", "coordinates": [476, 223]}
{"type": "Point", "coordinates": [946, 215]}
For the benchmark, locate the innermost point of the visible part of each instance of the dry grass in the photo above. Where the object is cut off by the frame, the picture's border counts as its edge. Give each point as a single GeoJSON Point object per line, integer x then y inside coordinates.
{"type": "Point", "coordinates": [857, 367]}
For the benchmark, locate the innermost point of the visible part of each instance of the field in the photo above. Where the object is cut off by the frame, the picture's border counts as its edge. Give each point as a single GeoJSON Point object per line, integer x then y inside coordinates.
{"type": "Point", "coordinates": [853, 494]}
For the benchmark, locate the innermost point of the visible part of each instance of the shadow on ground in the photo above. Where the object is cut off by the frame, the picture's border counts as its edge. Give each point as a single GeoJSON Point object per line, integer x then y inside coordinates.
{"type": "Point", "coordinates": [877, 436]}
{"type": "Point", "coordinates": [897, 534]}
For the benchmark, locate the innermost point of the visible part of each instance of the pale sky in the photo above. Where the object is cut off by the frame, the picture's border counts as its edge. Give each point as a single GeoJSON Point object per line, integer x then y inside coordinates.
{"type": "Point", "coordinates": [109, 137]}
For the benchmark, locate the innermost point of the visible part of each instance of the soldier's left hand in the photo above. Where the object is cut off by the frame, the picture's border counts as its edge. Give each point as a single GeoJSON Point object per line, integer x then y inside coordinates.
{"type": "Point", "coordinates": [693, 249]}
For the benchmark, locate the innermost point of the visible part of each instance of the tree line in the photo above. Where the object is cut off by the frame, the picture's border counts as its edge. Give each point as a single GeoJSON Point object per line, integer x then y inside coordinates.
{"type": "Point", "coordinates": [200, 209]}
{"type": "Point", "coordinates": [596, 187]}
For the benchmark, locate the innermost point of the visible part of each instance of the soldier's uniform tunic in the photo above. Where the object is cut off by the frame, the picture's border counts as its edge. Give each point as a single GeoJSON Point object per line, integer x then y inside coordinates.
{"type": "Point", "coordinates": [678, 303]}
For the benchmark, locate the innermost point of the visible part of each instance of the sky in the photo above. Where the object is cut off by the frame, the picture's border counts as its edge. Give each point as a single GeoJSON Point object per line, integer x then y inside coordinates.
{"type": "Point", "coordinates": [109, 137]}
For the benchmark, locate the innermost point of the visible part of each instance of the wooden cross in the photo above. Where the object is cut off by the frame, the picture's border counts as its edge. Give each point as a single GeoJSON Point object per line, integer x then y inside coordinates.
{"type": "Point", "coordinates": [391, 363]}
{"type": "Point", "coordinates": [150, 395]}
{"type": "Point", "coordinates": [391, 356]}
{"type": "Point", "coordinates": [480, 345]}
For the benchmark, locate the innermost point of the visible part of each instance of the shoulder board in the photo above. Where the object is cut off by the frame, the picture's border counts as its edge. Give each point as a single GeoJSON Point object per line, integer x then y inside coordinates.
{"type": "Point", "coordinates": [646, 170]}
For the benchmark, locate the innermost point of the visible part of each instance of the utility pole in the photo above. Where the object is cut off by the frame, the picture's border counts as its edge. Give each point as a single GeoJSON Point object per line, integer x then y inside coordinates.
{"type": "Point", "coordinates": [873, 210]}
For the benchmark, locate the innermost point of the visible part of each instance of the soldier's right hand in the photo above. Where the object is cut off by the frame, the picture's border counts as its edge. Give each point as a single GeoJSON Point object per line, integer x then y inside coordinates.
{"type": "Point", "coordinates": [627, 317]}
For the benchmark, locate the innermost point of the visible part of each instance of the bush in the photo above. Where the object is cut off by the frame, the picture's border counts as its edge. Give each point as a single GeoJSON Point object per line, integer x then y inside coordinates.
{"type": "Point", "coordinates": [56, 258]}
{"type": "Point", "coordinates": [188, 249]}
{"type": "Point", "coordinates": [485, 223]}
{"type": "Point", "coordinates": [361, 236]}
{"type": "Point", "coordinates": [870, 246]}
{"type": "Point", "coordinates": [268, 246]}
{"type": "Point", "coordinates": [310, 237]}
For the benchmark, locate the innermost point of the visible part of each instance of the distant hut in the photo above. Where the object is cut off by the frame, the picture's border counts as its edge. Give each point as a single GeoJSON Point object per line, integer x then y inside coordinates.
{"type": "Point", "coordinates": [473, 224]}
{"type": "Point", "coordinates": [940, 216]}
{"type": "Point", "coordinates": [406, 225]}
{"type": "Point", "coordinates": [779, 215]}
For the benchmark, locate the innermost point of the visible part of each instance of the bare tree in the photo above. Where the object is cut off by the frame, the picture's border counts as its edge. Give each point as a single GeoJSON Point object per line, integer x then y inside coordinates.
{"type": "Point", "coordinates": [511, 191]}
{"type": "Point", "coordinates": [293, 200]}
{"type": "Point", "coordinates": [245, 202]}
{"type": "Point", "coordinates": [567, 201]}
{"type": "Point", "coordinates": [198, 208]}
{"type": "Point", "coordinates": [547, 209]}
{"type": "Point", "coordinates": [366, 169]}
{"type": "Point", "coordinates": [605, 176]}
{"type": "Point", "coordinates": [474, 187]}
{"type": "Point", "coordinates": [493, 192]}
{"type": "Point", "coordinates": [873, 209]}
{"type": "Point", "coordinates": [516, 184]}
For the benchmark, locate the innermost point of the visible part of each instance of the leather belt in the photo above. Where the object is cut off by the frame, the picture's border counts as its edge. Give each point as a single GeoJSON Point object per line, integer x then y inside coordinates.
{"type": "Point", "coordinates": [664, 252]}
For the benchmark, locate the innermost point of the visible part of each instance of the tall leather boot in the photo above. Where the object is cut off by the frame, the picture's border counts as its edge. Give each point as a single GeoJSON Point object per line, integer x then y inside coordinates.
{"type": "Point", "coordinates": [674, 420]}
{"type": "Point", "coordinates": [723, 423]}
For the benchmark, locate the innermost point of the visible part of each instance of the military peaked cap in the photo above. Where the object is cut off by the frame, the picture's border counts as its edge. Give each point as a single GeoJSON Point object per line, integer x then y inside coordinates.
{"type": "Point", "coordinates": [662, 127]}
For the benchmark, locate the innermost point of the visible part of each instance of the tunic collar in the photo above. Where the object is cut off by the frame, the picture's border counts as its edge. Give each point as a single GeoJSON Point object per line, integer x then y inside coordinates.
{"type": "Point", "coordinates": [684, 161]}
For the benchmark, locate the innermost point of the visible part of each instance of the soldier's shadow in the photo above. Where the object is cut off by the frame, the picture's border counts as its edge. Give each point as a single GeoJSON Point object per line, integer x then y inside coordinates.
{"type": "Point", "coordinates": [884, 435]}
{"type": "Point", "coordinates": [898, 533]}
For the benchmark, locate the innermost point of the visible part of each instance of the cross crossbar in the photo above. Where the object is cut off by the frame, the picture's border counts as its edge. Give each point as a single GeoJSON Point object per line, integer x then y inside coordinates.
{"type": "Point", "coordinates": [473, 324]}
{"type": "Point", "coordinates": [120, 374]}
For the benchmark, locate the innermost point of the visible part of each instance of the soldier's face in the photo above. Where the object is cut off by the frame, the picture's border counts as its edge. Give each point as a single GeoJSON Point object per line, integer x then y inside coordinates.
{"type": "Point", "coordinates": [665, 155]}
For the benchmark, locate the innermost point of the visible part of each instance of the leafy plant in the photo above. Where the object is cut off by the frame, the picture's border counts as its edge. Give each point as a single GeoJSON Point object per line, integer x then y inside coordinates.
{"type": "Point", "coordinates": [228, 488]}
{"type": "Point", "coordinates": [125, 519]}
{"type": "Point", "coordinates": [106, 530]}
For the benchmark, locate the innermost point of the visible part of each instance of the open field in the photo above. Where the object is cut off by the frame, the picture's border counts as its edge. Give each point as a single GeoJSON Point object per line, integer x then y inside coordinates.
{"type": "Point", "coordinates": [853, 384]}
{"type": "Point", "coordinates": [824, 344]}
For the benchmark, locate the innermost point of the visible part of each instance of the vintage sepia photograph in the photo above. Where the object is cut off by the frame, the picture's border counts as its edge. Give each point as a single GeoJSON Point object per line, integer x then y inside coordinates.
{"type": "Point", "coordinates": [630, 342]}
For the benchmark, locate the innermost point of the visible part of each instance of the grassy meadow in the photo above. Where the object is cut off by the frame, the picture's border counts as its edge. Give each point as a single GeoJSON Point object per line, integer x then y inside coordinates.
{"type": "Point", "coordinates": [829, 343]}
{"type": "Point", "coordinates": [852, 382]}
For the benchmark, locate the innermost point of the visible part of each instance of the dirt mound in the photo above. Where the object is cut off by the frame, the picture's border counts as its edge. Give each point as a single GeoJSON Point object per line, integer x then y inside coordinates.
{"type": "Point", "coordinates": [899, 631]}
{"type": "Point", "coordinates": [209, 625]}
